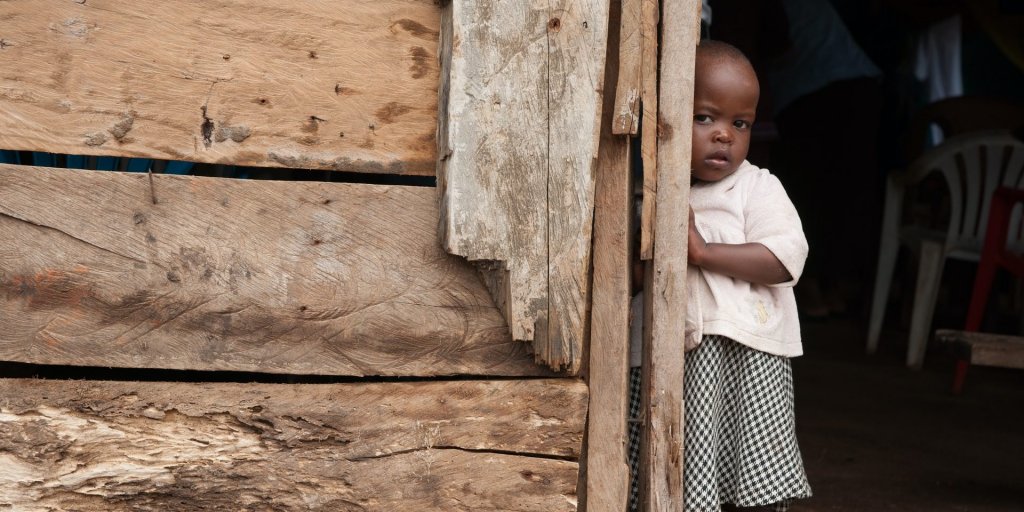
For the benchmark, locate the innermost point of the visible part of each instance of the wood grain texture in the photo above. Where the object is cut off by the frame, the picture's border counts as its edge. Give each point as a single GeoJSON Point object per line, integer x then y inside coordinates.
{"type": "Point", "coordinates": [520, 107]}
{"type": "Point", "coordinates": [345, 85]}
{"type": "Point", "coordinates": [578, 33]}
{"type": "Point", "coordinates": [663, 405]}
{"type": "Point", "coordinates": [282, 277]}
{"type": "Point", "coordinates": [607, 471]}
{"type": "Point", "coordinates": [444, 446]}
{"type": "Point", "coordinates": [492, 175]}
{"type": "Point", "coordinates": [628, 88]}
{"type": "Point", "coordinates": [649, 123]}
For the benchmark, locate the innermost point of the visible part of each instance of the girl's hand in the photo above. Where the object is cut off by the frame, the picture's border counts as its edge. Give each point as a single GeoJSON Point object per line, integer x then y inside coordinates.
{"type": "Point", "coordinates": [695, 243]}
{"type": "Point", "coordinates": [751, 262]}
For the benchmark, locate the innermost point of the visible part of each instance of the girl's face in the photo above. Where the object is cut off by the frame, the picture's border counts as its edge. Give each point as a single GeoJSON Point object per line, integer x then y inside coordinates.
{"type": "Point", "coordinates": [724, 103]}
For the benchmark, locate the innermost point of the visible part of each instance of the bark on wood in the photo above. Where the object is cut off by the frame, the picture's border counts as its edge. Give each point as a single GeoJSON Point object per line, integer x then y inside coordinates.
{"type": "Point", "coordinates": [649, 124]}
{"type": "Point", "coordinates": [298, 277]}
{"type": "Point", "coordinates": [663, 354]}
{"type": "Point", "coordinates": [519, 112]}
{"type": "Point", "coordinates": [627, 92]}
{"type": "Point", "coordinates": [346, 85]}
{"type": "Point", "coordinates": [607, 477]}
{"type": "Point", "coordinates": [445, 446]}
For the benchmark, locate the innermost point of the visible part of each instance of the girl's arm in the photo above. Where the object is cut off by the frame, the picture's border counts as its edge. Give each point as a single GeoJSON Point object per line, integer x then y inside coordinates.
{"type": "Point", "coordinates": [751, 262]}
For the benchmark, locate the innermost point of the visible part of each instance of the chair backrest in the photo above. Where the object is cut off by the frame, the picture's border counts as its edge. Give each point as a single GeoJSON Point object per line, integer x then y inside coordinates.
{"type": "Point", "coordinates": [974, 165]}
{"type": "Point", "coordinates": [958, 115]}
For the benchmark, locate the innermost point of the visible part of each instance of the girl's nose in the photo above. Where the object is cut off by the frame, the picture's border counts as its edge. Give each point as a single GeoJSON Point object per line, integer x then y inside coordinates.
{"type": "Point", "coordinates": [723, 136]}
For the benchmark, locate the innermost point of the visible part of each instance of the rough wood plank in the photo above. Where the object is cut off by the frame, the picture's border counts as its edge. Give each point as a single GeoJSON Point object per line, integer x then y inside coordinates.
{"type": "Point", "coordinates": [629, 84]}
{"type": "Point", "coordinates": [346, 85]}
{"type": "Point", "coordinates": [663, 354]}
{"type": "Point", "coordinates": [520, 107]}
{"type": "Point", "coordinates": [445, 446]}
{"type": "Point", "coordinates": [578, 33]}
{"type": "Point", "coordinates": [607, 477]}
{"type": "Point", "coordinates": [492, 175]}
{"type": "Point", "coordinates": [296, 277]}
{"type": "Point", "coordinates": [649, 123]}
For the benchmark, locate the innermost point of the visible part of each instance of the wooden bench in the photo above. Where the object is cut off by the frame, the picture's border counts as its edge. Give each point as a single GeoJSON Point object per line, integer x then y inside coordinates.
{"type": "Point", "coordinates": [984, 349]}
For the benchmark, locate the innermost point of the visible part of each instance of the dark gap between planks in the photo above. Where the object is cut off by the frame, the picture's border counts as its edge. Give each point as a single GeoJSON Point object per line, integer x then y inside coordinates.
{"type": "Point", "coordinates": [130, 164]}
{"type": "Point", "coordinates": [9, 370]}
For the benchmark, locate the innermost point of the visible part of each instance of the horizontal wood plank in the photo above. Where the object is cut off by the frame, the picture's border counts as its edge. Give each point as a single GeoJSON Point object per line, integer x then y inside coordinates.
{"type": "Point", "coordinates": [124, 270]}
{"type": "Point", "coordinates": [444, 446]}
{"type": "Point", "coordinates": [346, 85]}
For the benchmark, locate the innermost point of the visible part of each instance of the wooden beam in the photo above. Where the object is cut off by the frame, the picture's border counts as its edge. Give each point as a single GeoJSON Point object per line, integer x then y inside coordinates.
{"type": "Point", "coordinates": [441, 446]}
{"type": "Point", "coordinates": [663, 353]}
{"type": "Point", "coordinates": [519, 111]}
{"type": "Point", "coordinates": [127, 270]}
{"type": "Point", "coordinates": [629, 87]}
{"type": "Point", "coordinates": [649, 123]}
{"type": "Point", "coordinates": [346, 85]}
{"type": "Point", "coordinates": [607, 477]}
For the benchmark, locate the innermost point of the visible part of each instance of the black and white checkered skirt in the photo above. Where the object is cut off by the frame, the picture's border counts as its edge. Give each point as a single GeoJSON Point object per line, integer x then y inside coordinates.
{"type": "Point", "coordinates": [740, 436]}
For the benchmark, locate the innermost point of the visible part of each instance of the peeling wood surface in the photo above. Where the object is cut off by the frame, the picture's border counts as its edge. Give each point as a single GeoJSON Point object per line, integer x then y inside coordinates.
{"type": "Point", "coordinates": [281, 277]}
{"type": "Point", "coordinates": [518, 139]}
{"type": "Point", "coordinates": [649, 123]}
{"type": "Point", "coordinates": [607, 476]}
{"type": "Point", "coordinates": [444, 446]}
{"type": "Point", "coordinates": [345, 85]}
{"type": "Point", "coordinates": [630, 52]}
{"type": "Point", "coordinates": [663, 359]}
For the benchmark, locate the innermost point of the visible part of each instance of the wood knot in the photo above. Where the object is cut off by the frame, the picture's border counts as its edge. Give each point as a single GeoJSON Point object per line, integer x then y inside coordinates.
{"type": "Point", "coordinates": [555, 24]}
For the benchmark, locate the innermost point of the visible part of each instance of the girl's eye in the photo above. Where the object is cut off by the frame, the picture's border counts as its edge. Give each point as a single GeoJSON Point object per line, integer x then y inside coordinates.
{"type": "Point", "coordinates": [742, 125]}
{"type": "Point", "coordinates": [702, 118]}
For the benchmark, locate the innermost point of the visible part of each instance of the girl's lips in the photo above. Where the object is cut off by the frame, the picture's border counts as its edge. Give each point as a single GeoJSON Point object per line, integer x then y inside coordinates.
{"type": "Point", "coordinates": [718, 159]}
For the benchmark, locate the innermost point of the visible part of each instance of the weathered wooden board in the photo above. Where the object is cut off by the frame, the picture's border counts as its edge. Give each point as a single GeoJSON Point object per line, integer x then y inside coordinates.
{"type": "Point", "coordinates": [629, 86]}
{"type": "Point", "coordinates": [607, 475]}
{"type": "Point", "coordinates": [445, 446]}
{"type": "Point", "coordinates": [346, 85]}
{"type": "Point", "coordinates": [649, 123]}
{"type": "Point", "coordinates": [518, 131]}
{"type": "Point", "coordinates": [663, 362]}
{"type": "Point", "coordinates": [124, 270]}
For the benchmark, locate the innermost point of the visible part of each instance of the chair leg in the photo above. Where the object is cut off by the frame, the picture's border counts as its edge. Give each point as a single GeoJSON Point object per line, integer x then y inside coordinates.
{"type": "Point", "coordinates": [979, 297]}
{"type": "Point", "coordinates": [960, 376]}
{"type": "Point", "coordinates": [929, 275]}
{"type": "Point", "coordinates": [889, 246]}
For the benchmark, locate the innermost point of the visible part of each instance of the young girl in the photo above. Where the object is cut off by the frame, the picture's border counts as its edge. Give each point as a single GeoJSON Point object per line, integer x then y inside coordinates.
{"type": "Point", "coordinates": [746, 250]}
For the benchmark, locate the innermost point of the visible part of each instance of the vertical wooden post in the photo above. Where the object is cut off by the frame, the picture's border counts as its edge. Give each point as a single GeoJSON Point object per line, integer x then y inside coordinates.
{"type": "Point", "coordinates": [607, 473]}
{"type": "Point", "coordinates": [663, 352]}
{"type": "Point", "coordinates": [649, 14]}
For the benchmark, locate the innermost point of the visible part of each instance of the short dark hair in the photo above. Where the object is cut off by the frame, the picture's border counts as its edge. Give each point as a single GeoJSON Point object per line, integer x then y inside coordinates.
{"type": "Point", "coordinates": [720, 50]}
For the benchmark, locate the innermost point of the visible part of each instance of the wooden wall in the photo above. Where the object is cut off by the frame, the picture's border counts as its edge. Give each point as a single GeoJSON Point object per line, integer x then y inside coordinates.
{"type": "Point", "coordinates": [343, 85]}
{"type": "Point", "coordinates": [438, 446]}
{"type": "Point", "coordinates": [182, 272]}
{"type": "Point", "coordinates": [518, 131]}
{"type": "Point", "coordinates": [113, 270]}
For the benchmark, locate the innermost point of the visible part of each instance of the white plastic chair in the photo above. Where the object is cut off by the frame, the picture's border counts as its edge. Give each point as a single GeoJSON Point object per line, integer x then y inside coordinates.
{"type": "Point", "coordinates": [973, 165]}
